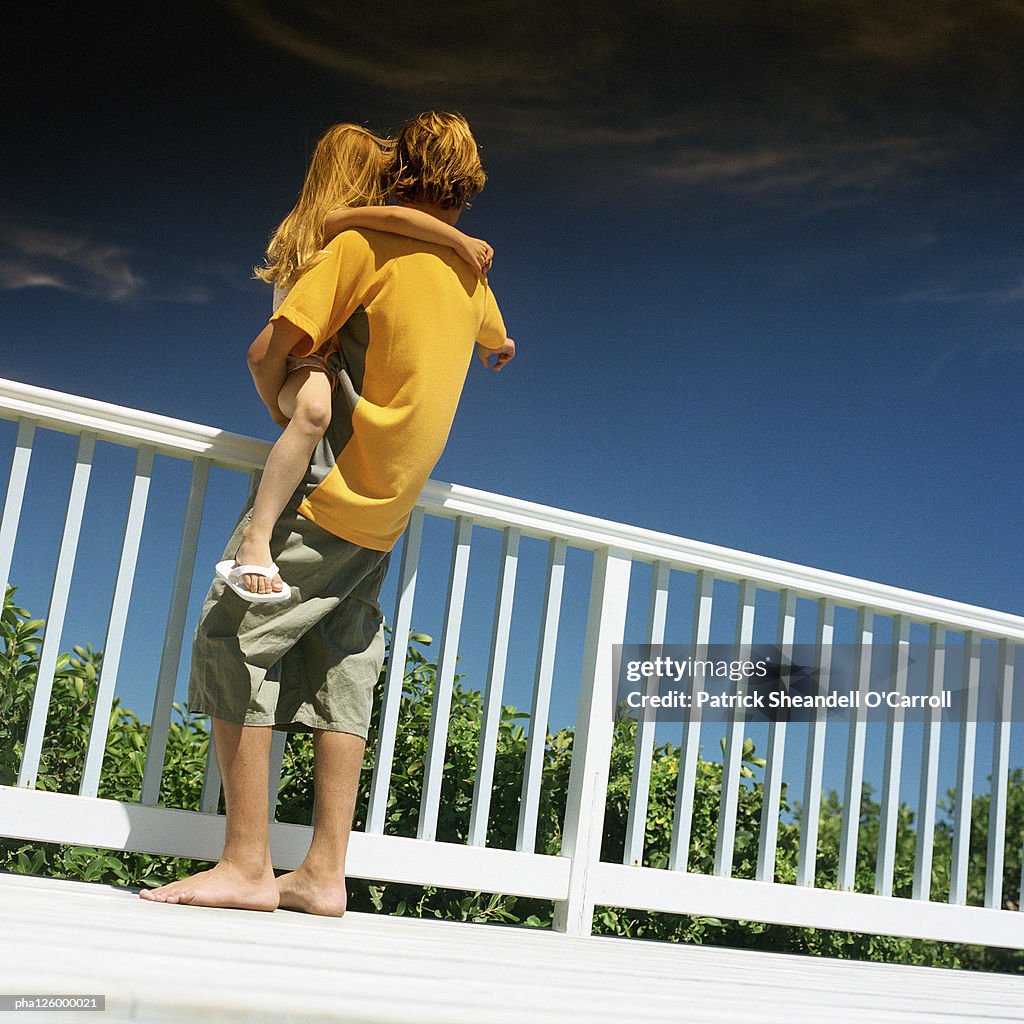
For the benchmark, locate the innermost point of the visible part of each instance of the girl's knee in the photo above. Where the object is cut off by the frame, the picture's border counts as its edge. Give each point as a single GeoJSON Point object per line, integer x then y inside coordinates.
{"type": "Point", "coordinates": [313, 414]}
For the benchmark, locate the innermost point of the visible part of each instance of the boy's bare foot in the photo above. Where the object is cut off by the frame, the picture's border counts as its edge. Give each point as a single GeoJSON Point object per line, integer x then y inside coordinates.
{"type": "Point", "coordinates": [256, 552]}
{"type": "Point", "coordinates": [225, 885]}
{"type": "Point", "coordinates": [312, 894]}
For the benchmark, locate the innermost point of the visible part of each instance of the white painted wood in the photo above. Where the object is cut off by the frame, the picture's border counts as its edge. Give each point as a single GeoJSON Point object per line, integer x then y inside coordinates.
{"type": "Point", "coordinates": [682, 825]}
{"type": "Point", "coordinates": [209, 796]}
{"type": "Point", "coordinates": [55, 616]}
{"type": "Point", "coordinates": [892, 761]}
{"type": "Point", "coordinates": [1020, 902]}
{"type": "Point", "coordinates": [643, 749]}
{"type": "Point", "coordinates": [114, 825]}
{"type": "Point", "coordinates": [924, 845]}
{"type": "Point", "coordinates": [373, 969]}
{"type": "Point", "coordinates": [723, 563]}
{"type": "Point", "coordinates": [725, 840]}
{"type": "Point", "coordinates": [170, 655]}
{"type": "Point", "coordinates": [776, 752]}
{"type": "Point", "coordinates": [437, 739]}
{"type": "Point", "coordinates": [592, 743]}
{"type": "Point", "coordinates": [15, 499]}
{"type": "Point", "coordinates": [108, 824]}
{"type": "Point", "coordinates": [1000, 777]}
{"type": "Point", "coordinates": [72, 414]}
{"type": "Point", "coordinates": [497, 660]}
{"type": "Point", "coordinates": [965, 770]}
{"type": "Point", "coordinates": [676, 892]}
{"type": "Point", "coordinates": [574, 881]}
{"type": "Point", "coordinates": [118, 619]}
{"type": "Point", "coordinates": [394, 678]}
{"type": "Point", "coordinates": [856, 738]}
{"type": "Point", "coordinates": [529, 802]}
{"type": "Point", "coordinates": [815, 759]}
{"type": "Point", "coordinates": [278, 741]}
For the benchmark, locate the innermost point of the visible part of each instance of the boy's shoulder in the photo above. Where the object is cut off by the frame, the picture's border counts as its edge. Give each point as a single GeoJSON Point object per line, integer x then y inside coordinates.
{"type": "Point", "coordinates": [381, 246]}
{"type": "Point", "coordinates": [351, 238]}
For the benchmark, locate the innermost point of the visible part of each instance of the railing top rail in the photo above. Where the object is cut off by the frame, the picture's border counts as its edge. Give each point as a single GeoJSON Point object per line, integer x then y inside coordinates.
{"type": "Point", "coordinates": [56, 410]}
{"type": "Point", "coordinates": [723, 563]}
{"type": "Point", "coordinates": [73, 414]}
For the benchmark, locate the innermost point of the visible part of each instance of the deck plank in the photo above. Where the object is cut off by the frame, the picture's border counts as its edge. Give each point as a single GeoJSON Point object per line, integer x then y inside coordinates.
{"type": "Point", "coordinates": [163, 963]}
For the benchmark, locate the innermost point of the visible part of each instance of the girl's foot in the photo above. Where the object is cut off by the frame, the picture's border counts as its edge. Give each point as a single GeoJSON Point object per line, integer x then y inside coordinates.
{"type": "Point", "coordinates": [253, 551]}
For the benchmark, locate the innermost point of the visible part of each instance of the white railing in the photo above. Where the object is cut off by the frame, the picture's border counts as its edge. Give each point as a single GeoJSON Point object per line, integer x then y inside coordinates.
{"type": "Point", "coordinates": [578, 880]}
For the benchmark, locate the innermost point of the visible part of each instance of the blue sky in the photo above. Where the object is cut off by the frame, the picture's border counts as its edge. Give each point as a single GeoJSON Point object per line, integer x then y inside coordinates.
{"type": "Point", "coordinates": [762, 262]}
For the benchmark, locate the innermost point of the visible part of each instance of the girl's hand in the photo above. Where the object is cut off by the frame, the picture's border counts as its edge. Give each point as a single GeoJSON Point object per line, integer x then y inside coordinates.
{"type": "Point", "coordinates": [477, 253]}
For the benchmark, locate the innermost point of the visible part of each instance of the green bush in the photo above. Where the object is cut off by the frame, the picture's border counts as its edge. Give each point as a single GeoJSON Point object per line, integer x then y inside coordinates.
{"type": "Point", "coordinates": [63, 753]}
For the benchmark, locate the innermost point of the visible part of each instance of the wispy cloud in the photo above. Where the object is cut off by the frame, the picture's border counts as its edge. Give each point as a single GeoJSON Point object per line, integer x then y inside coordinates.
{"type": "Point", "coordinates": [68, 259]}
{"type": "Point", "coordinates": [964, 352]}
{"type": "Point", "coordinates": [483, 46]}
{"type": "Point", "coordinates": [990, 285]}
{"type": "Point", "coordinates": [995, 295]}
{"type": "Point", "coordinates": [838, 166]}
{"type": "Point", "coordinates": [841, 101]}
{"type": "Point", "coordinates": [83, 261]}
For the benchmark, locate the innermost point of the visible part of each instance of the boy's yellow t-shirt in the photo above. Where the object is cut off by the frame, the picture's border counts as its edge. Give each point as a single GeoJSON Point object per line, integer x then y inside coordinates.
{"type": "Point", "coordinates": [408, 315]}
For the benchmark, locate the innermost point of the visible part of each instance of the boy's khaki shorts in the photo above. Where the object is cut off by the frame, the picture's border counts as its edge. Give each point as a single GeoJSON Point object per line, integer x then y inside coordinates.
{"type": "Point", "coordinates": [328, 637]}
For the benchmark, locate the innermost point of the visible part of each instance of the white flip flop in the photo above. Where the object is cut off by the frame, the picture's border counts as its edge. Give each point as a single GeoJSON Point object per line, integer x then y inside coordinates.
{"type": "Point", "coordinates": [231, 573]}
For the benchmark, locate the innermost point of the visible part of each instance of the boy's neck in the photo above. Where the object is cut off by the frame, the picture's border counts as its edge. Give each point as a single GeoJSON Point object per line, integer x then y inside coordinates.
{"type": "Point", "coordinates": [449, 216]}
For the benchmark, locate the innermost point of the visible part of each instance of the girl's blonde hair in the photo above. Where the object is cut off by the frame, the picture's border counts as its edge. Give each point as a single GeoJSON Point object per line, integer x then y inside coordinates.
{"type": "Point", "coordinates": [345, 170]}
{"type": "Point", "coordinates": [436, 160]}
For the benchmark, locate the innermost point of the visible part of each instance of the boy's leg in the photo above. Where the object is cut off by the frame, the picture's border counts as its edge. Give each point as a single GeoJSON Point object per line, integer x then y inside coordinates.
{"type": "Point", "coordinates": [305, 399]}
{"type": "Point", "coordinates": [330, 640]}
{"type": "Point", "coordinates": [243, 878]}
{"type": "Point", "coordinates": [317, 886]}
{"type": "Point", "coordinates": [335, 667]}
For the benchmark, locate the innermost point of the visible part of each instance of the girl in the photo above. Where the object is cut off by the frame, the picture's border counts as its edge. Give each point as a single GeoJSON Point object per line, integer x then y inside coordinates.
{"type": "Point", "coordinates": [342, 190]}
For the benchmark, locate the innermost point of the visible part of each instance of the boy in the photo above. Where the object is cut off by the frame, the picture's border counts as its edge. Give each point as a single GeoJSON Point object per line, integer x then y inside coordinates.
{"type": "Point", "coordinates": [408, 315]}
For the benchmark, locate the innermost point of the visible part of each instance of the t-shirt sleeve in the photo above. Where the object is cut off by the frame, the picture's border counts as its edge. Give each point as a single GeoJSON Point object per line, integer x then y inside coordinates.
{"type": "Point", "coordinates": [492, 330]}
{"type": "Point", "coordinates": [331, 288]}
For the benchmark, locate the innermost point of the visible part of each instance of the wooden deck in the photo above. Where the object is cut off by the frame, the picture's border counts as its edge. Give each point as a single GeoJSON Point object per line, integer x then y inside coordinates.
{"type": "Point", "coordinates": [156, 962]}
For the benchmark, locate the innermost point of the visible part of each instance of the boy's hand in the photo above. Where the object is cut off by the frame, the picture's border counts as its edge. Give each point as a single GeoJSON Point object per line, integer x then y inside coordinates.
{"type": "Point", "coordinates": [477, 253]}
{"type": "Point", "coordinates": [505, 354]}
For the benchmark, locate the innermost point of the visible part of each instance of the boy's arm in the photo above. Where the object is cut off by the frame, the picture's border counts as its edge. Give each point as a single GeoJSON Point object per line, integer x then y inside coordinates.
{"type": "Point", "coordinates": [401, 220]}
{"type": "Point", "coordinates": [266, 360]}
{"type": "Point", "coordinates": [493, 338]}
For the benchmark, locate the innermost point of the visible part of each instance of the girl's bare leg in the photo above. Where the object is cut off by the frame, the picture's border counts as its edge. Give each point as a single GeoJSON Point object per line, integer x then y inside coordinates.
{"type": "Point", "coordinates": [305, 399]}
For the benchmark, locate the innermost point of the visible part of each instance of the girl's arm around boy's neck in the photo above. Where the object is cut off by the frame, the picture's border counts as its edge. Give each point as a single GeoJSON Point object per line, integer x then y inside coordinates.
{"type": "Point", "coordinates": [412, 223]}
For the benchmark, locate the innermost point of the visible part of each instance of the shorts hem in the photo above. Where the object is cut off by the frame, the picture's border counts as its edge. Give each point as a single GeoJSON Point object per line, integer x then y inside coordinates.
{"type": "Point", "coordinates": [298, 724]}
